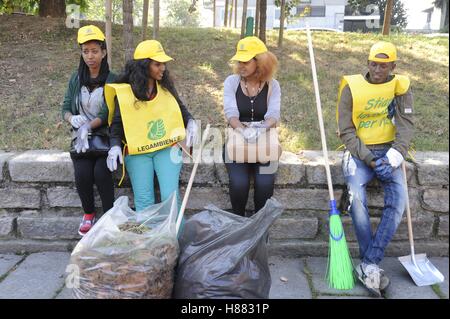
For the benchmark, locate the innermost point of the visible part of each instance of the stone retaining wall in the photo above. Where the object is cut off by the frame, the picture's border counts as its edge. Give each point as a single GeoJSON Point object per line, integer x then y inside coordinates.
{"type": "Point", "coordinates": [40, 209]}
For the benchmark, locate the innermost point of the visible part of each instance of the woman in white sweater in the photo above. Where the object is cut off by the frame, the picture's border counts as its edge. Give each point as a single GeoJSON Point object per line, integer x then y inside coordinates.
{"type": "Point", "coordinates": [251, 106]}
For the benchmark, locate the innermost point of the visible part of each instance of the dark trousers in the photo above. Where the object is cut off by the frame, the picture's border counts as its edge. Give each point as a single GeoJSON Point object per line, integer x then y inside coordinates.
{"type": "Point", "coordinates": [90, 170]}
{"type": "Point", "coordinates": [239, 182]}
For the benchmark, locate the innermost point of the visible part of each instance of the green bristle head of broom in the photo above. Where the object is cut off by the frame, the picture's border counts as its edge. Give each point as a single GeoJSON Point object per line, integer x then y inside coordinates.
{"type": "Point", "coordinates": [340, 266]}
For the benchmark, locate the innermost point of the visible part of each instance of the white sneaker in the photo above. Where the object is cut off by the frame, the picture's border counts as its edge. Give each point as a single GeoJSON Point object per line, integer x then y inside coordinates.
{"type": "Point", "coordinates": [370, 275]}
{"type": "Point", "coordinates": [384, 280]}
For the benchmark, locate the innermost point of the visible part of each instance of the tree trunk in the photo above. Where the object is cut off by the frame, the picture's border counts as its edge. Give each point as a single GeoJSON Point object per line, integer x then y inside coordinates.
{"type": "Point", "coordinates": [257, 18]}
{"type": "Point", "coordinates": [145, 20]}
{"type": "Point", "coordinates": [244, 18]}
{"type": "Point", "coordinates": [235, 13]}
{"type": "Point", "coordinates": [214, 13]}
{"type": "Point", "coordinates": [225, 16]}
{"type": "Point", "coordinates": [128, 29]}
{"type": "Point", "coordinates": [52, 8]}
{"type": "Point", "coordinates": [155, 19]}
{"type": "Point", "coordinates": [230, 20]}
{"type": "Point", "coordinates": [262, 20]}
{"type": "Point", "coordinates": [282, 18]}
{"type": "Point", "coordinates": [387, 17]}
{"type": "Point", "coordinates": [108, 30]}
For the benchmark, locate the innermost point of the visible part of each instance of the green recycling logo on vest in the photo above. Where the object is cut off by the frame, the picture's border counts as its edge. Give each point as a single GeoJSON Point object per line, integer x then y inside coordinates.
{"type": "Point", "coordinates": [156, 129]}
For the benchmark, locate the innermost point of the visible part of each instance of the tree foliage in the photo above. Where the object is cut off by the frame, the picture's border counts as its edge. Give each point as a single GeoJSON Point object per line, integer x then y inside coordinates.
{"type": "Point", "coordinates": [399, 15]}
{"type": "Point", "coordinates": [178, 14]}
{"type": "Point", "coordinates": [290, 4]}
{"type": "Point", "coordinates": [32, 6]}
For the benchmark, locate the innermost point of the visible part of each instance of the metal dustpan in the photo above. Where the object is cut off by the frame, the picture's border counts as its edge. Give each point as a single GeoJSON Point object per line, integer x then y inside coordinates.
{"type": "Point", "coordinates": [421, 269]}
{"type": "Point", "coordinates": [418, 266]}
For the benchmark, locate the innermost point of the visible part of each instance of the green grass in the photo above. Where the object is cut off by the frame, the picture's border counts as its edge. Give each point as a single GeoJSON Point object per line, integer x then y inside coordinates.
{"type": "Point", "coordinates": [40, 54]}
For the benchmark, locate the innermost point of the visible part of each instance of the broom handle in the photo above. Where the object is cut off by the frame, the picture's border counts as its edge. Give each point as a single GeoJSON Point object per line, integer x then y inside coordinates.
{"type": "Point", "coordinates": [191, 179]}
{"type": "Point", "coordinates": [408, 212]}
{"type": "Point", "coordinates": [319, 113]}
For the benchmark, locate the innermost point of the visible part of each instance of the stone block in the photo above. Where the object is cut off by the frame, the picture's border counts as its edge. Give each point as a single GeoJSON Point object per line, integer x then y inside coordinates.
{"type": "Point", "coordinates": [291, 170]}
{"type": "Point", "coordinates": [436, 200]}
{"type": "Point", "coordinates": [305, 198]}
{"type": "Point", "coordinates": [22, 246]}
{"type": "Point", "coordinates": [68, 197]}
{"type": "Point", "coordinates": [294, 228]}
{"type": "Point", "coordinates": [39, 276]}
{"type": "Point", "coordinates": [48, 228]}
{"type": "Point", "coordinates": [7, 226]}
{"type": "Point", "coordinates": [42, 166]}
{"type": "Point", "coordinates": [202, 196]}
{"type": "Point", "coordinates": [443, 226]}
{"type": "Point", "coordinates": [205, 173]}
{"type": "Point", "coordinates": [315, 167]}
{"type": "Point", "coordinates": [432, 168]}
{"type": "Point", "coordinates": [20, 198]}
{"type": "Point", "coordinates": [4, 157]}
{"type": "Point", "coordinates": [298, 248]}
{"type": "Point", "coordinates": [7, 263]}
{"type": "Point", "coordinates": [375, 199]}
{"type": "Point", "coordinates": [221, 173]}
{"type": "Point", "coordinates": [422, 228]}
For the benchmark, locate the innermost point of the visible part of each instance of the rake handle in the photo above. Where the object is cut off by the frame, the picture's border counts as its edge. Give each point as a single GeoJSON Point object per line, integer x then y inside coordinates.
{"type": "Point", "coordinates": [408, 211]}
{"type": "Point", "coordinates": [319, 113]}
{"type": "Point", "coordinates": [191, 179]}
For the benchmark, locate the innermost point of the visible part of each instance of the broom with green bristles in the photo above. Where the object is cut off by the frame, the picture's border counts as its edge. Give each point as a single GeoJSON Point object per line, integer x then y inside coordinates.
{"type": "Point", "coordinates": [340, 267]}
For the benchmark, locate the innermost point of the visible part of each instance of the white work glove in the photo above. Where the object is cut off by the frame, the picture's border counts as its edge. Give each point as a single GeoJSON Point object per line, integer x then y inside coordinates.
{"type": "Point", "coordinates": [78, 120]}
{"type": "Point", "coordinates": [191, 133]}
{"type": "Point", "coordinates": [114, 154]}
{"type": "Point", "coordinates": [395, 157]}
{"type": "Point", "coordinates": [261, 124]}
{"type": "Point", "coordinates": [250, 134]}
{"type": "Point", "coordinates": [82, 143]}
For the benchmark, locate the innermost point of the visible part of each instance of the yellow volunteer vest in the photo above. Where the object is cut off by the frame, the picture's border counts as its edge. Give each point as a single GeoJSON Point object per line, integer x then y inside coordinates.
{"type": "Point", "coordinates": [149, 126]}
{"type": "Point", "coordinates": [370, 106]}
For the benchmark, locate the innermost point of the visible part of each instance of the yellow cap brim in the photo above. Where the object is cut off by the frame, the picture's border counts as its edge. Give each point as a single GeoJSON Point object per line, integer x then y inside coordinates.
{"type": "Point", "coordinates": [375, 59]}
{"type": "Point", "coordinates": [242, 57]}
{"type": "Point", "coordinates": [162, 58]}
{"type": "Point", "coordinates": [90, 38]}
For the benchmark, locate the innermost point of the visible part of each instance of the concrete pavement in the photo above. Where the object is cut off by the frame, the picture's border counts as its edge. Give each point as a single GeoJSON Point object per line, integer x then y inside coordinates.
{"type": "Point", "coordinates": [42, 276]}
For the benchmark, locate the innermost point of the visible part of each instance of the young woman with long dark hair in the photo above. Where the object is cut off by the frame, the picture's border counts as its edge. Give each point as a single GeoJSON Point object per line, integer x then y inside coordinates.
{"type": "Point", "coordinates": [85, 109]}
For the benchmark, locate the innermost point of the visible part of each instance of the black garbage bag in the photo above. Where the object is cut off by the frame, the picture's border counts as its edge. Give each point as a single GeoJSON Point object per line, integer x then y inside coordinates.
{"type": "Point", "coordinates": [224, 255]}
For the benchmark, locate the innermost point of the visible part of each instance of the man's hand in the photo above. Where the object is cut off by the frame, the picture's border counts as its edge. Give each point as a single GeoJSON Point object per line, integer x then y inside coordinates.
{"type": "Point", "coordinates": [383, 169]}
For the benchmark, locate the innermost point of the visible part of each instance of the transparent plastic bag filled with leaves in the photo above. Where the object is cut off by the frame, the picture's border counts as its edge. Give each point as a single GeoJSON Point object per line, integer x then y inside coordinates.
{"type": "Point", "coordinates": [128, 254]}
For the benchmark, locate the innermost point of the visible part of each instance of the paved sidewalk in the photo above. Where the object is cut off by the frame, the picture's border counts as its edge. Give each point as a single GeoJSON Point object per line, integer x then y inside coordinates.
{"type": "Point", "coordinates": [42, 276]}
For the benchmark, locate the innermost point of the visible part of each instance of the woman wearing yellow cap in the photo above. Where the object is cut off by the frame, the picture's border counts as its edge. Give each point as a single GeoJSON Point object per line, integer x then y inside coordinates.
{"type": "Point", "coordinates": [251, 106]}
{"type": "Point", "coordinates": [147, 115]}
{"type": "Point", "coordinates": [85, 109]}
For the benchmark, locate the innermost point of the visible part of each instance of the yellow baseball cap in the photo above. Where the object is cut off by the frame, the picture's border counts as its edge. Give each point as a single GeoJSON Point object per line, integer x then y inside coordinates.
{"type": "Point", "coordinates": [248, 48]}
{"type": "Point", "coordinates": [89, 33]}
{"type": "Point", "coordinates": [383, 47]}
{"type": "Point", "coordinates": [151, 49]}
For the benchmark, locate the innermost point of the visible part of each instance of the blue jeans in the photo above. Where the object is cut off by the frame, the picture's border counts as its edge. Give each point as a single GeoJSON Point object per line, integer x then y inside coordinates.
{"type": "Point", "coordinates": [357, 175]}
{"type": "Point", "coordinates": [141, 169]}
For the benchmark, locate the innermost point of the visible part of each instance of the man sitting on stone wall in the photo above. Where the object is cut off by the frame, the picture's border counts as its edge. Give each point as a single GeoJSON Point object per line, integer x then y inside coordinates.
{"type": "Point", "coordinates": [374, 115]}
